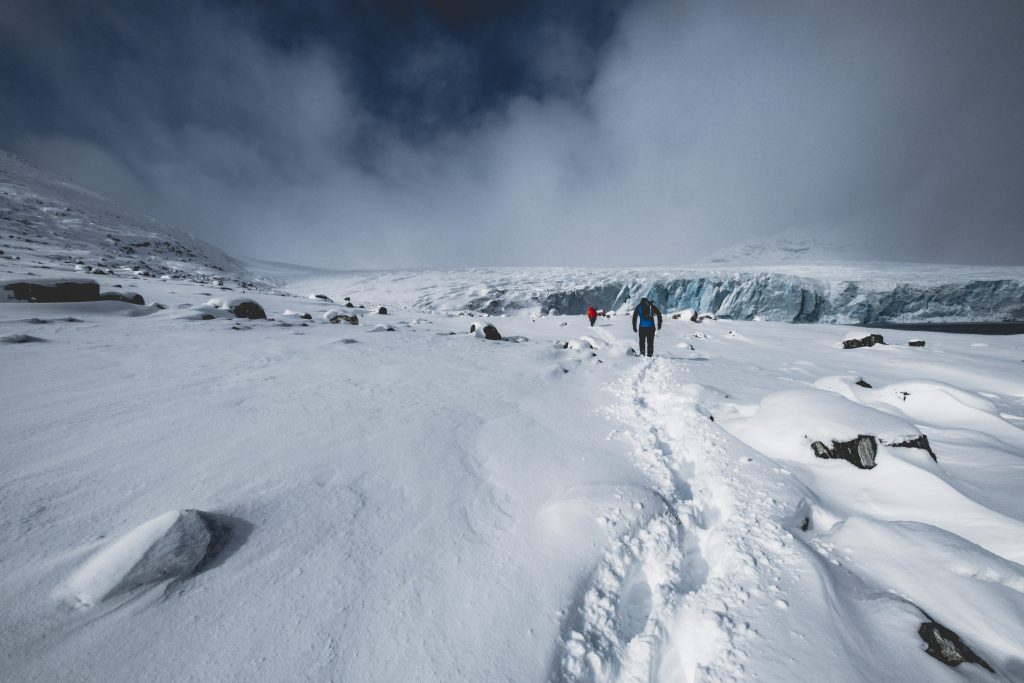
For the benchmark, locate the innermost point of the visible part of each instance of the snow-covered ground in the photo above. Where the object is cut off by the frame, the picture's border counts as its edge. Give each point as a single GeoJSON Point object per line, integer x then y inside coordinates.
{"type": "Point", "coordinates": [188, 495]}
{"type": "Point", "coordinates": [425, 504]}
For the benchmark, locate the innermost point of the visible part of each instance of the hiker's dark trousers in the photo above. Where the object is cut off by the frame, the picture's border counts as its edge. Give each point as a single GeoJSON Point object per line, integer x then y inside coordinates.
{"type": "Point", "coordinates": [592, 320]}
{"type": "Point", "coordinates": [646, 341]}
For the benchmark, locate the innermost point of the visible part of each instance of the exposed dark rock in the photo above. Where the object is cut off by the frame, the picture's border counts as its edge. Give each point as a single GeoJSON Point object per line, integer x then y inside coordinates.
{"type": "Point", "coordinates": [491, 332]}
{"type": "Point", "coordinates": [249, 309]}
{"type": "Point", "coordinates": [918, 442]}
{"type": "Point", "coordinates": [20, 339]}
{"type": "Point", "coordinates": [190, 544]}
{"type": "Point", "coordinates": [306, 316]}
{"type": "Point", "coordinates": [350, 319]}
{"type": "Point", "coordinates": [806, 524]}
{"type": "Point", "coordinates": [947, 647]}
{"type": "Point", "coordinates": [382, 310]}
{"type": "Point", "coordinates": [208, 316]}
{"type": "Point", "coordinates": [916, 342]}
{"type": "Point", "coordinates": [348, 304]}
{"type": "Point", "coordinates": [869, 340]}
{"type": "Point", "coordinates": [862, 383]}
{"type": "Point", "coordinates": [54, 291]}
{"type": "Point", "coordinates": [472, 328]}
{"type": "Point", "coordinates": [348, 299]}
{"type": "Point", "coordinates": [324, 297]}
{"type": "Point", "coordinates": [123, 296]}
{"type": "Point", "coordinates": [859, 452]}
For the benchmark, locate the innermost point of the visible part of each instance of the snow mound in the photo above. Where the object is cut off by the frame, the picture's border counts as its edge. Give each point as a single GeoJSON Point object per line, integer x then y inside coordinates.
{"type": "Point", "coordinates": [976, 593]}
{"type": "Point", "coordinates": [788, 422]}
{"type": "Point", "coordinates": [172, 546]}
{"type": "Point", "coordinates": [241, 307]}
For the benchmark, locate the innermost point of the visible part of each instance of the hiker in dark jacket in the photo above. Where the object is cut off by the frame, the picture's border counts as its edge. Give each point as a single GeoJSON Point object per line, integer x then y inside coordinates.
{"type": "Point", "coordinates": [646, 312]}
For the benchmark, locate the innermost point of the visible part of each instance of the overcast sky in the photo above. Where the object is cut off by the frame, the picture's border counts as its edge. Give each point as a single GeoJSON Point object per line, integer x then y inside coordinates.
{"type": "Point", "coordinates": [387, 133]}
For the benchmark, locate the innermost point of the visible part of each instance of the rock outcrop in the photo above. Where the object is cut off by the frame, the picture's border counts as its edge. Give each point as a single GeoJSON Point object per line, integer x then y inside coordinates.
{"type": "Point", "coordinates": [859, 452]}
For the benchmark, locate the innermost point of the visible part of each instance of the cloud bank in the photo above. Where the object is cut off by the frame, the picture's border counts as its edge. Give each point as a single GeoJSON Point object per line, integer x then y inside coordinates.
{"type": "Point", "coordinates": [662, 132]}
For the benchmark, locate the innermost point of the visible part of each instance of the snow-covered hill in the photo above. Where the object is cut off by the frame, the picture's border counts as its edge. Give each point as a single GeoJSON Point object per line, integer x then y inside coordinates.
{"type": "Point", "coordinates": [851, 293]}
{"type": "Point", "coordinates": [49, 224]}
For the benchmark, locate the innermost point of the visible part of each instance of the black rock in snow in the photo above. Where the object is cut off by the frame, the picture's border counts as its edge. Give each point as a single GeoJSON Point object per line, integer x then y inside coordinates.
{"type": "Point", "coordinates": [53, 291]}
{"type": "Point", "coordinates": [249, 309]}
{"type": "Point", "coordinates": [859, 452]}
{"type": "Point", "coordinates": [917, 442]}
{"type": "Point", "coordinates": [382, 310]}
{"type": "Point", "coordinates": [869, 340]}
{"type": "Point", "coordinates": [491, 332]}
{"type": "Point", "coordinates": [947, 647]}
{"type": "Point", "coordinates": [916, 342]}
{"type": "Point", "coordinates": [862, 383]}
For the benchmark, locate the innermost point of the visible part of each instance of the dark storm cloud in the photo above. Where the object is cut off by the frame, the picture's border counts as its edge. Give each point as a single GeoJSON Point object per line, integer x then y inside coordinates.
{"type": "Point", "coordinates": [369, 134]}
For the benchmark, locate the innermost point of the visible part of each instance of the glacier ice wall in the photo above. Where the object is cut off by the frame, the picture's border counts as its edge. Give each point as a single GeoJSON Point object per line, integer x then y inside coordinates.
{"type": "Point", "coordinates": [789, 298]}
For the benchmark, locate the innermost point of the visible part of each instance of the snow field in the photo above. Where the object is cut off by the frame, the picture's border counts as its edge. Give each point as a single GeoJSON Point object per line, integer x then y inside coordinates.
{"type": "Point", "coordinates": [426, 504]}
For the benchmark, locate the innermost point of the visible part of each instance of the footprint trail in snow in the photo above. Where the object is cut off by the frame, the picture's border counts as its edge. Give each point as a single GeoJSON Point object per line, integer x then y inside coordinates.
{"type": "Point", "coordinates": [668, 600]}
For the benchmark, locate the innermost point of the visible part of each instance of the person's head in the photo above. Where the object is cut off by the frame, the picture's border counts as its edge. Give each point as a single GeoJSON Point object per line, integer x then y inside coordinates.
{"type": "Point", "coordinates": [644, 301]}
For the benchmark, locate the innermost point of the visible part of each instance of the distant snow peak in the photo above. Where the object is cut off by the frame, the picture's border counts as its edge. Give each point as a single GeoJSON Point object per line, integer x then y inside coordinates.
{"type": "Point", "coordinates": [791, 247]}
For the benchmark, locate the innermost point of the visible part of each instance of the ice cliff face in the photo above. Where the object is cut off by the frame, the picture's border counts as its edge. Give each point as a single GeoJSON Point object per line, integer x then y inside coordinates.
{"type": "Point", "coordinates": [790, 298]}
{"type": "Point", "coordinates": [848, 293]}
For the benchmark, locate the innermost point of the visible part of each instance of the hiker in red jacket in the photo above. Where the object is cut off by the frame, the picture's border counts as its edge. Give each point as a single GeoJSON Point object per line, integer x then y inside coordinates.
{"type": "Point", "coordinates": [592, 314]}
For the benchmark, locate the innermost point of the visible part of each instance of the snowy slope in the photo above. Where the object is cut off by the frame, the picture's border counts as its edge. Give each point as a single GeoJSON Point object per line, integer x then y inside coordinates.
{"type": "Point", "coordinates": [850, 293]}
{"type": "Point", "coordinates": [186, 495]}
{"type": "Point", "coordinates": [47, 223]}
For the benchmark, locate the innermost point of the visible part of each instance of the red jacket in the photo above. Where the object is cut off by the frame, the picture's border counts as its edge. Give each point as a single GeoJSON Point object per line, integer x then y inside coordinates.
{"type": "Point", "coordinates": [591, 313]}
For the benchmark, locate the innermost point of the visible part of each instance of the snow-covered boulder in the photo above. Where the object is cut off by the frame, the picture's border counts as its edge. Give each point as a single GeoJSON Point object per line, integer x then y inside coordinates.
{"type": "Point", "coordinates": [172, 546]}
{"type": "Point", "coordinates": [203, 312]}
{"type": "Point", "coordinates": [133, 298]}
{"type": "Point", "coordinates": [335, 316]}
{"type": "Point", "coordinates": [52, 290]}
{"type": "Point", "coordinates": [241, 307]}
{"type": "Point", "coordinates": [788, 424]}
{"type": "Point", "coordinates": [381, 328]}
{"type": "Point", "coordinates": [916, 342]}
{"type": "Point", "coordinates": [686, 314]}
{"type": "Point", "coordinates": [20, 339]}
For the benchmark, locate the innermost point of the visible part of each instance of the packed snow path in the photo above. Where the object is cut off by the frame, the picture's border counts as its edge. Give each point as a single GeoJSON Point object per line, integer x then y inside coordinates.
{"type": "Point", "coordinates": [655, 608]}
